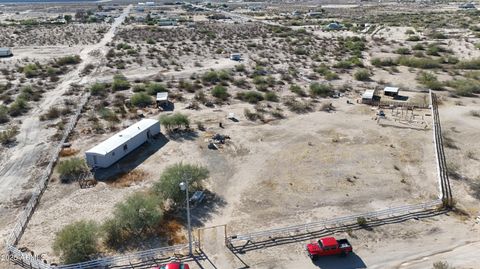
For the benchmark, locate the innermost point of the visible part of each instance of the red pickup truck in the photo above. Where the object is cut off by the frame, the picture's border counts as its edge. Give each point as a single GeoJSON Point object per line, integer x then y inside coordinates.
{"type": "Point", "coordinates": [328, 246]}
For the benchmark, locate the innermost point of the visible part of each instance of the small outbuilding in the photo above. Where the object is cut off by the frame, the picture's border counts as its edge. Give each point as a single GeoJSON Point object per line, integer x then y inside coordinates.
{"type": "Point", "coordinates": [118, 146]}
{"type": "Point", "coordinates": [162, 98]}
{"type": "Point", "coordinates": [369, 96]}
{"type": "Point", "coordinates": [5, 52]}
{"type": "Point", "coordinates": [391, 91]}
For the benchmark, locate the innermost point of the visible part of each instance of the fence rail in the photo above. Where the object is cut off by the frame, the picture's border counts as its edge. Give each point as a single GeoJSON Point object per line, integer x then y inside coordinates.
{"type": "Point", "coordinates": [340, 221]}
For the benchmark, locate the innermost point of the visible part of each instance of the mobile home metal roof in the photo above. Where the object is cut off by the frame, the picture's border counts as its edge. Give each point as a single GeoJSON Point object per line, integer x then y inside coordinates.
{"type": "Point", "coordinates": [122, 137]}
{"type": "Point", "coordinates": [391, 89]}
{"type": "Point", "coordinates": [368, 94]}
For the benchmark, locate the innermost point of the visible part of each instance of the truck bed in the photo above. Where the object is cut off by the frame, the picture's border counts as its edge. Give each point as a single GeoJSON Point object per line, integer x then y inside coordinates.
{"type": "Point", "coordinates": [343, 243]}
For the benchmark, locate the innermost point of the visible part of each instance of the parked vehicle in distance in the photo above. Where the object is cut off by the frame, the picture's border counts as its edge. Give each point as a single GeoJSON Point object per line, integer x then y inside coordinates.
{"type": "Point", "coordinates": [173, 265]}
{"type": "Point", "coordinates": [328, 246]}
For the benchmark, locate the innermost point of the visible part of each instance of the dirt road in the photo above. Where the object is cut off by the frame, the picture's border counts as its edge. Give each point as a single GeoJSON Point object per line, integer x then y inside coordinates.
{"type": "Point", "coordinates": [33, 144]}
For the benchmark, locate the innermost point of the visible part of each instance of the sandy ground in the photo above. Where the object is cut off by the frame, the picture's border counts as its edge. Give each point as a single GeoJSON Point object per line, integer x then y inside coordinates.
{"type": "Point", "coordinates": [20, 162]}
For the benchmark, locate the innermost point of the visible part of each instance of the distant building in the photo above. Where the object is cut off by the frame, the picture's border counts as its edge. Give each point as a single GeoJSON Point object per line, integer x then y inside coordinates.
{"type": "Point", "coordinates": [5, 52]}
{"type": "Point", "coordinates": [467, 6]}
{"type": "Point", "coordinates": [118, 146]}
{"type": "Point", "coordinates": [391, 91]}
{"type": "Point", "coordinates": [369, 96]}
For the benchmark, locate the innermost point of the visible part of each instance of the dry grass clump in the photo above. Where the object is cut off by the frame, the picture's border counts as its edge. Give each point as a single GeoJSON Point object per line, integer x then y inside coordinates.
{"type": "Point", "coordinates": [67, 152]}
{"type": "Point", "coordinates": [130, 178]}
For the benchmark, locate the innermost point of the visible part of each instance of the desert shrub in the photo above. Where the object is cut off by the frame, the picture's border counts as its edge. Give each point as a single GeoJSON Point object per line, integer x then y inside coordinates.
{"type": "Point", "coordinates": [51, 114]}
{"type": "Point", "coordinates": [9, 135]}
{"type": "Point", "coordinates": [108, 114]}
{"type": "Point", "coordinates": [402, 51]}
{"type": "Point", "coordinates": [441, 265]}
{"type": "Point", "coordinates": [168, 185]}
{"type": "Point", "coordinates": [141, 99]}
{"type": "Point", "coordinates": [154, 88]}
{"type": "Point", "coordinates": [465, 87]}
{"type": "Point", "coordinates": [378, 62]}
{"type": "Point", "coordinates": [4, 114]}
{"type": "Point", "coordinates": [271, 96]}
{"type": "Point", "coordinates": [120, 83]}
{"type": "Point", "coordinates": [98, 89]}
{"type": "Point", "coordinates": [297, 90]}
{"type": "Point", "coordinates": [71, 168]}
{"type": "Point", "coordinates": [210, 77]}
{"type": "Point", "coordinates": [362, 221]}
{"type": "Point", "coordinates": [413, 38]}
{"type": "Point", "coordinates": [220, 92]}
{"type": "Point", "coordinates": [251, 116]}
{"type": "Point", "coordinates": [18, 107]}
{"type": "Point", "coordinates": [438, 35]}
{"type": "Point", "coordinates": [322, 90]}
{"type": "Point", "coordinates": [251, 97]}
{"type": "Point", "coordinates": [240, 68]}
{"type": "Point", "coordinates": [475, 113]}
{"type": "Point", "coordinates": [423, 63]}
{"type": "Point", "coordinates": [343, 64]}
{"type": "Point", "coordinates": [362, 75]}
{"type": "Point", "coordinates": [429, 80]}
{"type": "Point", "coordinates": [473, 64]}
{"type": "Point", "coordinates": [139, 214]}
{"type": "Point", "coordinates": [176, 120]}
{"type": "Point", "coordinates": [31, 70]}
{"type": "Point", "coordinates": [298, 106]}
{"type": "Point", "coordinates": [69, 60]}
{"type": "Point", "coordinates": [123, 46]}
{"type": "Point", "coordinates": [77, 242]}
{"type": "Point", "coordinates": [418, 46]}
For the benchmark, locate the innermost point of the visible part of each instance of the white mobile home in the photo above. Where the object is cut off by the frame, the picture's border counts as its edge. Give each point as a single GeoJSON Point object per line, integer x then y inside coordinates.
{"type": "Point", "coordinates": [118, 146]}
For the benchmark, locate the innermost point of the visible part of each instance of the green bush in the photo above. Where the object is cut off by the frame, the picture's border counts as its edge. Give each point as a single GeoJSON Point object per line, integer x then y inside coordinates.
{"type": "Point", "coordinates": [271, 96]}
{"type": "Point", "coordinates": [141, 99]}
{"type": "Point", "coordinates": [465, 87]}
{"type": "Point", "coordinates": [98, 89]}
{"type": "Point", "coordinates": [210, 77]}
{"type": "Point", "coordinates": [154, 88]}
{"type": "Point", "coordinates": [18, 107]}
{"type": "Point", "coordinates": [423, 63]}
{"type": "Point", "coordinates": [168, 185]}
{"type": "Point", "coordinates": [362, 75]}
{"type": "Point", "coordinates": [108, 115]}
{"type": "Point", "coordinates": [413, 38]}
{"type": "Point", "coordinates": [402, 51]}
{"type": "Point", "coordinates": [251, 97]}
{"type": "Point", "coordinates": [297, 90]}
{"type": "Point", "coordinates": [429, 80]}
{"type": "Point", "coordinates": [176, 120]}
{"type": "Point", "coordinates": [8, 136]}
{"type": "Point", "coordinates": [4, 114]}
{"type": "Point", "coordinates": [31, 70]}
{"type": "Point", "coordinates": [71, 168]}
{"type": "Point", "coordinates": [378, 62]}
{"type": "Point", "coordinates": [120, 83]}
{"type": "Point", "coordinates": [77, 242]}
{"type": "Point", "coordinates": [298, 106]}
{"type": "Point", "coordinates": [69, 60]}
{"type": "Point", "coordinates": [469, 64]}
{"type": "Point", "coordinates": [138, 215]}
{"type": "Point", "coordinates": [418, 46]}
{"type": "Point", "coordinates": [322, 90]}
{"type": "Point", "coordinates": [220, 92]}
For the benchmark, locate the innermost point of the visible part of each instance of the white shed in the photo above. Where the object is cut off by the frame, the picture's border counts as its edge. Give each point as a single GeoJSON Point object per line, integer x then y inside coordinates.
{"type": "Point", "coordinates": [162, 98]}
{"type": "Point", "coordinates": [391, 91]}
{"type": "Point", "coordinates": [368, 96]}
{"type": "Point", "coordinates": [118, 146]}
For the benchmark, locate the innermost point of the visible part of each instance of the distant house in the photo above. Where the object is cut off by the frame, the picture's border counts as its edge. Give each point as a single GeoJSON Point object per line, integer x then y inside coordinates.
{"type": "Point", "coordinates": [5, 52]}
{"type": "Point", "coordinates": [236, 56]}
{"type": "Point", "coordinates": [391, 91]}
{"type": "Point", "coordinates": [369, 96]}
{"type": "Point", "coordinates": [118, 146]}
